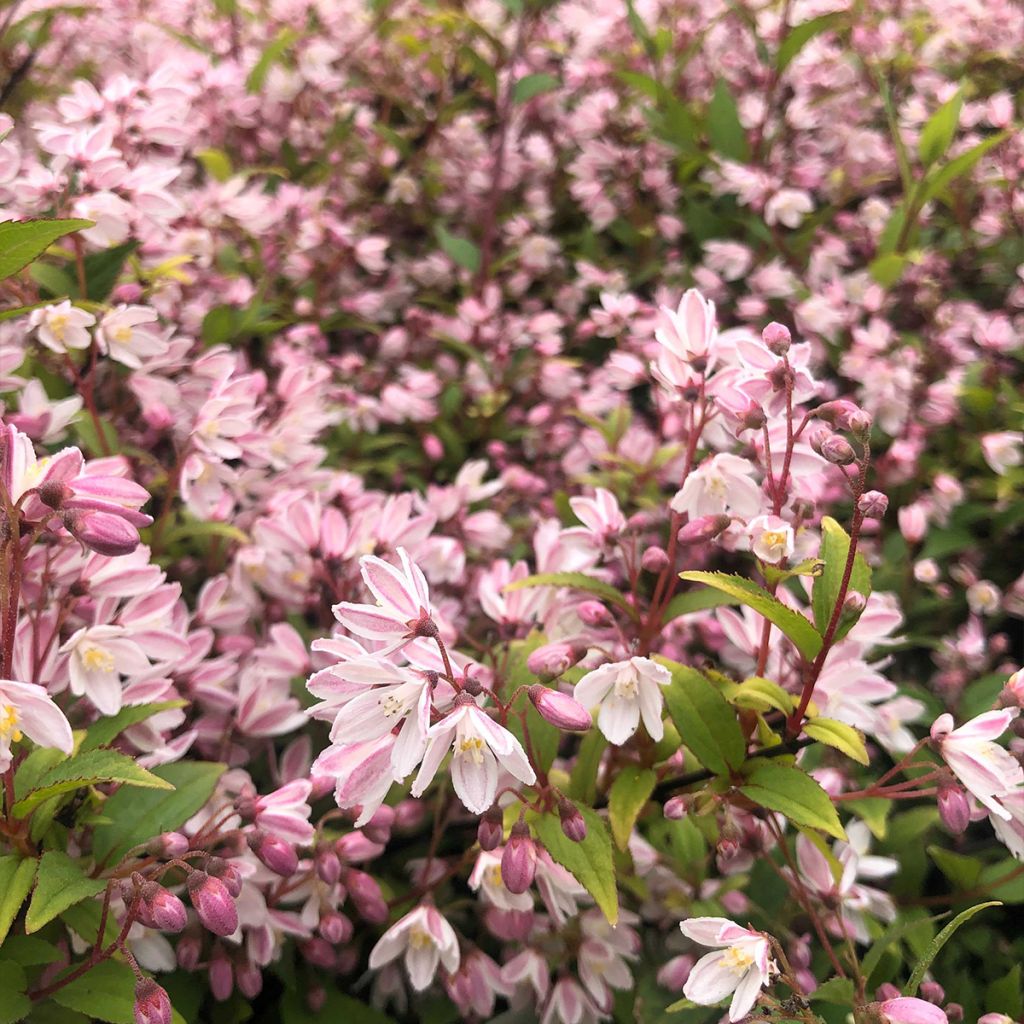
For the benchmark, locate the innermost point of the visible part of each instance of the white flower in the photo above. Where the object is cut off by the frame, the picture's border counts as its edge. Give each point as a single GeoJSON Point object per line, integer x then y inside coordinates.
{"type": "Point", "coordinates": [626, 692]}
{"type": "Point", "coordinates": [479, 746]}
{"type": "Point", "coordinates": [771, 538]}
{"type": "Point", "coordinates": [63, 326]}
{"type": "Point", "coordinates": [28, 710]}
{"type": "Point", "coordinates": [689, 332]}
{"type": "Point", "coordinates": [125, 335]}
{"type": "Point", "coordinates": [720, 484]}
{"type": "Point", "coordinates": [1003, 450]}
{"type": "Point", "coordinates": [426, 939]}
{"type": "Point", "coordinates": [788, 207]}
{"type": "Point", "coordinates": [741, 966]}
{"type": "Point", "coordinates": [99, 656]}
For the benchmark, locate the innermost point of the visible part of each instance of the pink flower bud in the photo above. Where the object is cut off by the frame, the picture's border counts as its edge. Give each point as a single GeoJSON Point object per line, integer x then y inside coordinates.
{"type": "Point", "coordinates": [703, 528]}
{"type": "Point", "coordinates": [776, 338]}
{"type": "Point", "coordinates": [838, 413]}
{"type": "Point", "coordinates": [673, 974]}
{"type": "Point", "coordinates": [561, 710]}
{"type": "Point", "coordinates": [552, 660]}
{"type": "Point", "coordinates": [954, 807]}
{"type": "Point", "coordinates": [654, 559]}
{"type": "Point", "coordinates": [221, 975]}
{"type": "Point", "coordinates": [319, 953]}
{"type": "Point", "coordinates": [593, 613]}
{"type": "Point", "coordinates": [275, 853]}
{"type": "Point", "coordinates": [913, 522]}
{"type": "Point", "coordinates": [378, 828]}
{"type": "Point", "coordinates": [908, 1010]}
{"type": "Point", "coordinates": [227, 873]}
{"type": "Point", "coordinates": [213, 903]}
{"type": "Point", "coordinates": [519, 859]}
{"type": "Point", "coordinates": [491, 830]}
{"type": "Point", "coordinates": [433, 448]}
{"type": "Point", "coordinates": [356, 847]}
{"type": "Point", "coordinates": [102, 532]}
{"type": "Point", "coordinates": [163, 909]}
{"type": "Point", "coordinates": [168, 845]}
{"type": "Point", "coordinates": [328, 867]}
{"type": "Point", "coordinates": [887, 990]}
{"type": "Point", "coordinates": [837, 450]}
{"type": "Point", "coordinates": [873, 504]}
{"type": "Point", "coordinates": [574, 825]}
{"type": "Point", "coordinates": [315, 998]}
{"type": "Point", "coordinates": [152, 1004]}
{"type": "Point", "coordinates": [859, 423]}
{"type": "Point", "coordinates": [335, 927]}
{"type": "Point", "coordinates": [365, 893]}
{"type": "Point", "coordinates": [676, 808]}
{"type": "Point", "coordinates": [933, 992]}
{"type": "Point", "coordinates": [509, 925]}
{"type": "Point", "coordinates": [188, 951]}
{"type": "Point", "coordinates": [250, 979]}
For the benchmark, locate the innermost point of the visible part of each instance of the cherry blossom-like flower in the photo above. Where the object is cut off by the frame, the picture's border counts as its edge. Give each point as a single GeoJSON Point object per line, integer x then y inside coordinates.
{"type": "Point", "coordinates": [690, 332]}
{"type": "Point", "coordinates": [98, 657]}
{"type": "Point", "coordinates": [63, 326]}
{"type": "Point", "coordinates": [741, 966]}
{"type": "Point", "coordinates": [28, 710]}
{"type": "Point", "coordinates": [425, 939]}
{"type": "Point", "coordinates": [626, 692]}
{"type": "Point", "coordinates": [771, 538]}
{"type": "Point", "coordinates": [129, 335]}
{"type": "Point", "coordinates": [723, 483]}
{"type": "Point", "coordinates": [908, 1010]}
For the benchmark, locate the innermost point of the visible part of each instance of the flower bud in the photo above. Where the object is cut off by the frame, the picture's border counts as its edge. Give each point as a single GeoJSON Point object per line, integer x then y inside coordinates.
{"type": "Point", "coordinates": [593, 613]}
{"type": "Point", "coordinates": [249, 979]}
{"type": "Point", "coordinates": [552, 660]}
{"type": "Point", "coordinates": [954, 807]}
{"type": "Point", "coordinates": [221, 975]}
{"type": "Point", "coordinates": [328, 867]}
{"type": "Point", "coordinates": [574, 825]}
{"type": "Point", "coordinates": [213, 903]}
{"type": "Point", "coordinates": [365, 893]}
{"type": "Point", "coordinates": [673, 974]}
{"type": "Point", "coordinates": [227, 873]}
{"type": "Point", "coordinates": [519, 859]}
{"type": "Point", "coordinates": [955, 1013]}
{"type": "Point", "coordinates": [378, 828]}
{"type": "Point", "coordinates": [355, 847]}
{"type": "Point", "coordinates": [933, 992]}
{"type": "Point", "coordinates": [913, 522]}
{"type": "Point", "coordinates": [838, 451]}
{"type": "Point", "coordinates": [873, 504]}
{"type": "Point", "coordinates": [275, 853]}
{"type": "Point", "coordinates": [654, 559]}
{"type": "Point", "coordinates": [561, 710]}
{"type": "Point", "coordinates": [837, 414]}
{"type": "Point", "coordinates": [102, 532]}
{"type": "Point", "coordinates": [315, 998]}
{"type": "Point", "coordinates": [319, 953]}
{"type": "Point", "coordinates": [335, 927]}
{"type": "Point", "coordinates": [168, 845]}
{"type": "Point", "coordinates": [776, 338]}
{"type": "Point", "coordinates": [859, 423]}
{"type": "Point", "coordinates": [188, 951]}
{"type": "Point", "coordinates": [676, 808]}
{"type": "Point", "coordinates": [162, 909]}
{"type": "Point", "coordinates": [887, 990]}
{"type": "Point", "coordinates": [491, 830]}
{"type": "Point", "coordinates": [703, 528]}
{"type": "Point", "coordinates": [509, 925]}
{"type": "Point", "coordinates": [152, 1004]}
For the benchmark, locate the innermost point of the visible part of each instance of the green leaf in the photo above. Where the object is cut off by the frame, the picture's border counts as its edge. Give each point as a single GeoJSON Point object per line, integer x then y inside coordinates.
{"type": "Point", "coordinates": [800, 35]}
{"type": "Point", "coordinates": [273, 52]}
{"type": "Point", "coordinates": [22, 241]}
{"type": "Point", "coordinates": [460, 251]}
{"type": "Point", "coordinates": [102, 270]}
{"type": "Point", "coordinates": [835, 990]}
{"type": "Point", "coordinates": [961, 870]}
{"type": "Point", "coordinates": [940, 178]}
{"type": "Point", "coordinates": [874, 812]}
{"type": "Point", "coordinates": [29, 951]}
{"type": "Point", "coordinates": [138, 815]}
{"type": "Point", "coordinates": [897, 930]}
{"type": "Point", "coordinates": [805, 637]}
{"type": "Point", "coordinates": [216, 163]}
{"type": "Point", "coordinates": [696, 601]}
{"type": "Point", "coordinates": [583, 780]}
{"type": "Point", "coordinates": [725, 131]}
{"type": "Point", "coordinates": [578, 581]}
{"type": "Point", "coordinates": [336, 1008]}
{"type": "Point", "coordinates": [16, 877]}
{"type": "Point", "coordinates": [937, 134]}
{"type": "Point", "coordinates": [89, 436]}
{"type": "Point", "coordinates": [839, 735]}
{"type": "Point", "coordinates": [760, 695]}
{"type": "Point", "coordinates": [60, 884]}
{"type": "Point", "coordinates": [589, 861]}
{"type": "Point", "coordinates": [835, 549]}
{"type": "Point", "coordinates": [706, 722]}
{"type": "Point", "coordinates": [14, 1004]}
{"type": "Point", "coordinates": [533, 85]}
{"type": "Point", "coordinates": [888, 268]}
{"type": "Point", "coordinates": [105, 992]}
{"type": "Point", "coordinates": [106, 730]}
{"type": "Point", "coordinates": [939, 941]}
{"type": "Point", "coordinates": [793, 793]}
{"type": "Point", "coordinates": [88, 769]}
{"type": "Point", "coordinates": [631, 789]}
{"type": "Point", "coordinates": [1004, 995]}
{"type": "Point", "coordinates": [220, 325]}
{"type": "Point", "coordinates": [53, 282]}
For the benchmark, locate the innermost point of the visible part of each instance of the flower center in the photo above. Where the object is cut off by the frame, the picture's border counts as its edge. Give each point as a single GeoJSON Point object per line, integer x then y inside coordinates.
{"type": "Point", "coordinates": [625, 685]}
{"type": "Point", "coordinates": [737, 959]}
{"type": "Point", "coordinates": [9, 723]}
{"type": "Point", "coordinates": [391, 705]}
{"type": "Point", "coordinates": [472, 747]}
{"type": "Point", "coordinates": [419, 939]}
{"type": "Point", "coordinates": [122, 334]}
{"type": "Point", "coordinates": [58, 324]}
{"type": "Point", "coordinates": [95, 659]}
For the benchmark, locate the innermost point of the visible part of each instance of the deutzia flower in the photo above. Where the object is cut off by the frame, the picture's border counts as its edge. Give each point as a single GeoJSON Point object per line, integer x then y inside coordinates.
{"type": "Point", "coordinates": [27, 710]}
{"type": "Point", "coordinates": [99, 656]}
{"type": "Point", "coordinates": [720, 484]}
{"type": "Point", "coordinates": [129, 335]}
{"type": "Point", "coordinates": [63, 326]}
{"type": "Point", "coordinates": [479, 746]}
{"type": "Point", "coordinates": [771, 538]}
{"type": "Point", "coordinates": [426, 939]}
{"type": "Point", "coordinates": [626, 692]}
{"type": "Point", "coordinates": [741, 966]}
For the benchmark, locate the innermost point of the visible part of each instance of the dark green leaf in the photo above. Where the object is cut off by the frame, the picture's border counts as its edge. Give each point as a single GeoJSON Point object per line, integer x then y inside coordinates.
{"type": "Point", "coordinates": [921, 968]}
{"type": "Point", "coordinates": [725, 131]}
{"type": "Point", "coordinates": [937, 134]}
{"type": "Point", "coordinates": [583, 781]}
{"type": "Point", "coordinates": [106, 992]}
{"type": "Point", "coordinates": [21, 242]}
{"type": "Point", "coordinates": [16, 877]}
{"type": "Point", "coordinates": [940, 178]}
{"type": "Point", "coordinates": [793, 793]}
{"type": "Point", "coordinates": [61, 883]}
{"type": "Point", "coordinates": [106, 730]}
{"type": "Point", "coordinates": [800, 35]}
{"type": "Point", "coordinates": [14, 1004]}
{"type": "Point", "coordinates": [533, 85]}
{"type": "Point", "coordinates": [460, 251]}
{"type": "Point", "coordinates": [102, 270]}
{"type": "Point", "coordinates": [337, 1008]}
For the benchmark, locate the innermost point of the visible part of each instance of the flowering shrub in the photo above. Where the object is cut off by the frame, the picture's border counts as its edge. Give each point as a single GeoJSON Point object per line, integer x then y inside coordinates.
{"type": "Point", "coordinates": [508, 511]}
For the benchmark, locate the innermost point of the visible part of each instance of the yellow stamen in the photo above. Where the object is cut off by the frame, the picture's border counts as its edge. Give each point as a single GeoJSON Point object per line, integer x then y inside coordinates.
{"type": "Point", "coordinates": [737, 959]}
{"type": "Point", "coordinates": [472, 746]}
{"type": "Point", "coordinates": [95, 659]}
{"type": "Point", "coordinates": [9, 723]}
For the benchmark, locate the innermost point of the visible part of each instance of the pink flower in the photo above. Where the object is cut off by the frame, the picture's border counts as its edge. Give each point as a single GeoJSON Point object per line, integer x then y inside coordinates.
{"type": "Point", "coordinates": [362, 772]}
{"type": "Point", "coordinates": [908, 1010]}
{"type": "Point", "coordinates": [600, 514]}
{"type": "Point", "coordinates": [62, 327]}
{"type": "Point", "coordinates": [425, 939]}
{"type": "Point", "coordinates": [1003, 450]}
{"type": "Point", "coordinates": [719, 484]}
{"type": "Point", "coordinates": [689, 333]}
{"type": "Point", "coordinates": [742, 966]}
{"type": "Point", "coordinates": [27, 710]}
{"type": "Point", "coordinates": [985, 768]}
{"type": "Point", "coordinates": [98, 657]}
{"type": "Point", "coordinates": [625, 691]}
{"type": "Point", "coordinates": [480, 745]}
{"type": "Point", "coordinates": [771, 538]}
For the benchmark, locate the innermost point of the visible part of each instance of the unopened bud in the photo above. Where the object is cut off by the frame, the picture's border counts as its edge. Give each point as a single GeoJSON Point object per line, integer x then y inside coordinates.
{"type": "Point", "coordinates": [853, 607]}
{"type": "Point", "coordinates": [837, 450]}
{"type": "Point", "coordinates": [213, 903]}
{"type": "Point", "coordinates": [319, 953]}
{"type": "Point", "coordinates": [328, 867]}
{"type": "Point", "coordinates": [188, 951]}
{"type": "Point", "coordinates": [886, 991]}
{"type": "Point", "coordinates": [227, 873]}
{"type": "Point", "coordinates": [955, 1013]}
{"type": "Point", "coordinates": [54, 493]}
{"type": "Point", "coordinates": [574, 825]}
{"type": "Point", "coordinates": [954, 807]}
{"type": "Point", "coordinates": [837, 414]}
{"type": "Point", "coordinates": [315, 998]}
{"type": "Point", "coordinates": [859, 423]}
{"type": "Point", "coordinates": [752, 417]}
{"type": "Point", "coordinates": [654, 559]}
{"type": "Point", "coordinates": [519, 859]}
{"type": "Point", "coordinates": [933, 992]}
{"type": "Point", "coordinates": [335, 927]}
{"type": "Point", "coordinates": [676, 808]}
{"type": "Point", "coordinates": [168, 845]}
{"type": "Point", "coordinates": [703, 528]}
{"type": "Point", "coordinates": [552, 660]}
{"type": "Point", "coordinates": [561, 710]}
{"type": "Point", "coordinates": [873, 504]}
{"type": "Point", "coordinates": [162, 909]}
{"type": "Point", "coordinates": [152, 1004]}
{"type": "Point", "coordinates": [102, 532]}
{"type": "Point", "coordinates": [366, 895]}
{"type": "Point", "coordinates": [378, 828]}
{"type": "Point", "coordinates": [275, 853]}
{"type": "Point", "coordinates": [250, 979]}
{"type": "Point", "coordinates": [593, 613]}
{"type": "Point", "coordinates": [490, 831]}
{"type": "Point", "coordinates": [776, 338]}
{"type": "Point", "coordinates": [221, 975]}
{"type": "Point", "coordinates": [673, 974]}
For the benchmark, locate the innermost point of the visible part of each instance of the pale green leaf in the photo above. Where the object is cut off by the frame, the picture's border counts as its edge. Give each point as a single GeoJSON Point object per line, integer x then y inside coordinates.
{"type": "Point", "coordinates": [793, 793]}
{"type": "Point", "coordinates": [22, 241]}
{"type": "Point", "coordinates": [16, 877]}
{"type": "Point", "coordinates": [835, 549]}
{"type": "Point", "coordinates": [631, 789]}
{"type": "Point", "coordinates": [921, 968]}
{"type": "Point", "coordinates": [839, 735]}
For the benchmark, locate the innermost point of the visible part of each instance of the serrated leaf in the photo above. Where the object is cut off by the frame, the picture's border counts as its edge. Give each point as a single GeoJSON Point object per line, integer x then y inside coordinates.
{"type": "Point", "coordinates": [835, 549]}
{"type": "Point", "coordinates": [804, 636]}
{"type": "Point", "coordinates": [631, 789]}
{"type": "Point", "coordinates": [800, 35]}
{"type": "Point", "coordinates": [838, 735]}
{"type": "Point", "coordinates": [16, 877]}
{"type": "Point", "coordinates": [937, 134]}
{"type": "Point", "coordinates": [835, 990]}
{"type": "Point", "coordinates": [22, 241]}
{"type": "Point", "coordinates": [140, 814]}
{"type": "Point", "coordinates": [725, 130]}
{"type": "Point", "coordinates": [793, 793]}
{"type": "Point", "coordinates": [460, 251]}
{"type": "Point", "coordinates": [60, 883]}
{"type": "Point", "coordinates": [14, 1004]}
{"type": "Point", "coordinates": [29, 951]}
{"type": "Point", "coordinates": [578, 581]}
{"type": "Point", "coordinates": [106, 992]}
{"type": "Point", "coordinates": [87, 769]}
{"type": "Point", "coordinates": [706, 722]}
{"type": "Point", "coordinates": [589, 861]}
{"type": "Point", "coordinates": [106, 730]}
{"type": "Point", "coordinates": [921, 968]}
{"type": "Point", "coordinates": [697, 601]}
{"type": "Point", "coordinates": [533, 85]}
